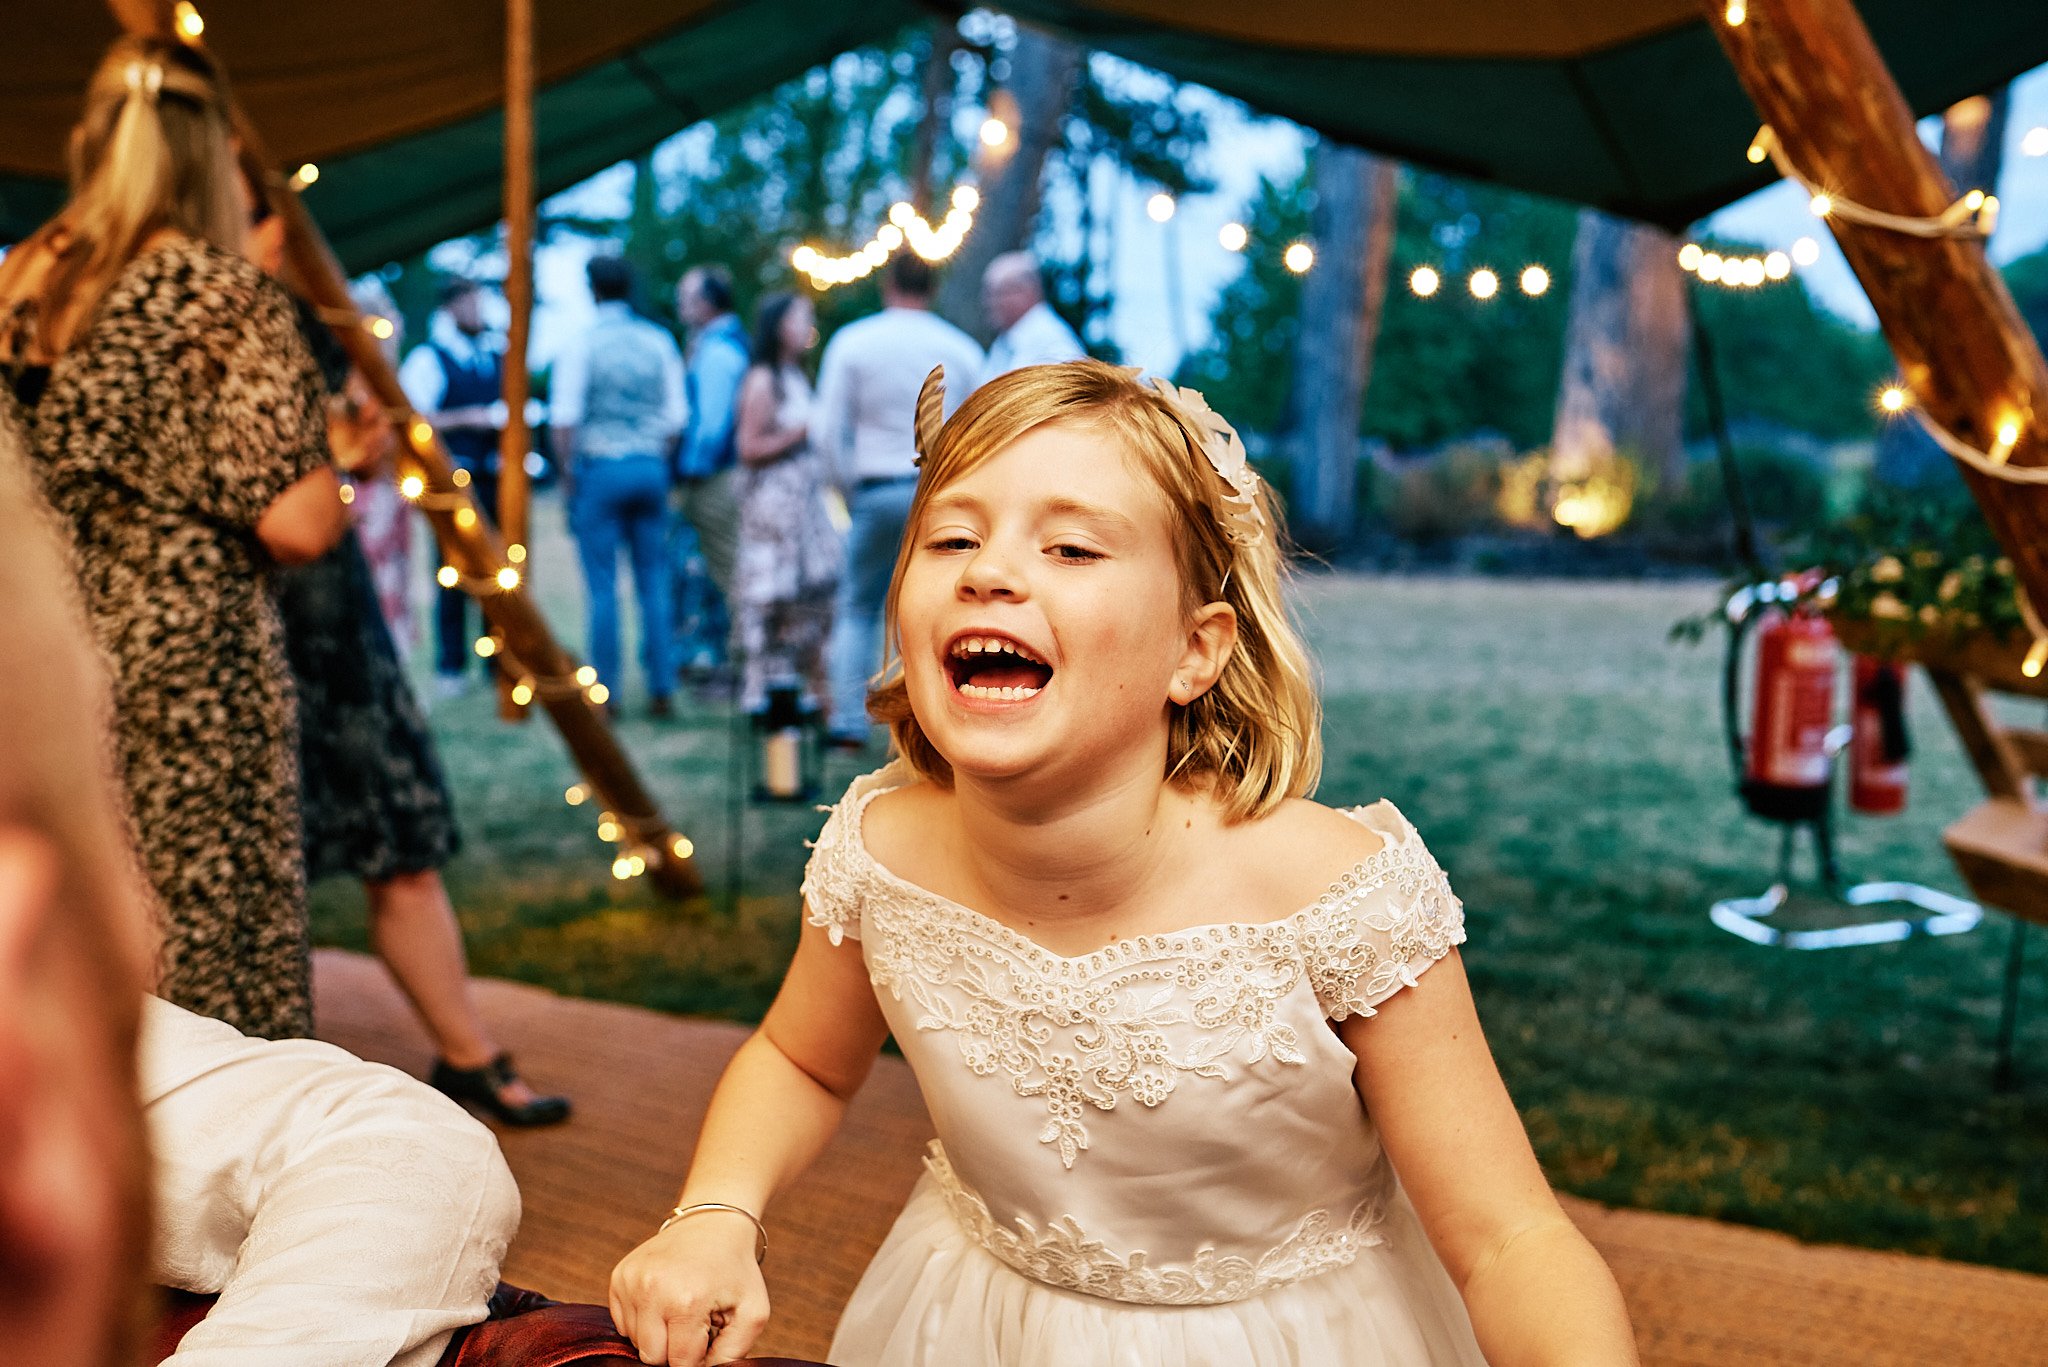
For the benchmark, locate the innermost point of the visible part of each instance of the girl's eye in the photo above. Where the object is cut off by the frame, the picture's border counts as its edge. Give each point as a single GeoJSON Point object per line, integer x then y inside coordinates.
{"type": "Point", "coordinates": [1076, 554]}
{"type": "Point", "coordinates": [950, 543]}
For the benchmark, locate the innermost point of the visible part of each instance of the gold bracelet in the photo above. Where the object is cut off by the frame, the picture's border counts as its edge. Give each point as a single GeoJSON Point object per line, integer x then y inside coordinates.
{"type": "Point", "coordinates": [760, 1230]}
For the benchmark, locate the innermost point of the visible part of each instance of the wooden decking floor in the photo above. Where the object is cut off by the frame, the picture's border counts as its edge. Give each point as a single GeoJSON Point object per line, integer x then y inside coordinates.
{"type": "Point", "coordinates": [1700, 1292]}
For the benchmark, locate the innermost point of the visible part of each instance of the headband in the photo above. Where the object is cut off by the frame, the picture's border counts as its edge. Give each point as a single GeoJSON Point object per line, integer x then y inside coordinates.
{"type": "Point", "coordinates": [1206, 431]}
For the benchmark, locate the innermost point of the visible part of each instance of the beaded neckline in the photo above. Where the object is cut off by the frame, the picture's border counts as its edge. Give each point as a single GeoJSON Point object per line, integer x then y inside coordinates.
{"type": "Point", "coordinates": [1397, 838]}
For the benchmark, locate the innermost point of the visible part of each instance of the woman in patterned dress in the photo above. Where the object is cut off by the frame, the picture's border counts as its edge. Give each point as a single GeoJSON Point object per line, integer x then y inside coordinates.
{"type": "Point", "coordinates": [177, 426]}
{"type": "Point", "coordinates": [790, 554]}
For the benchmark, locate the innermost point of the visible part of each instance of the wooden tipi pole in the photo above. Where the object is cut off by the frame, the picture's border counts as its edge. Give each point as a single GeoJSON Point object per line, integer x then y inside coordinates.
{"type": "Point", "coordinates": [513, 488]}
{"type": "Point", "coordinates": [1968, 358]}
{"type": "Point", "coordinates": [468, 543]}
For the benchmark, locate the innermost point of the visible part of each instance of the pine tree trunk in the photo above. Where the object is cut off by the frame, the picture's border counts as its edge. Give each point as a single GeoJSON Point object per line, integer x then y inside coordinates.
{"type": "Point", "coordinates": [1623, 385]}
{"type": "Point", "coordinates": [1342, 298]}
{"type": "Point", "coordinates": [1042, 74]}
{"type": "Point", "coordinates": [1972, 154]}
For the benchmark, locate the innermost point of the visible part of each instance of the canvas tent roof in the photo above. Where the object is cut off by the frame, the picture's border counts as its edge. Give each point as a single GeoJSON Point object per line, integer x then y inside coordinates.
{"type": "Point", "coordinates": [1626, 104]}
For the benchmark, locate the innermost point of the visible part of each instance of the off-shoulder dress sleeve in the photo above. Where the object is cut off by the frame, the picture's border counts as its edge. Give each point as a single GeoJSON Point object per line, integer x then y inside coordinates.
{"type": "Point", "coordinates": [838, 874]}
{"type": "Point", "coordinates": [1381, 927]}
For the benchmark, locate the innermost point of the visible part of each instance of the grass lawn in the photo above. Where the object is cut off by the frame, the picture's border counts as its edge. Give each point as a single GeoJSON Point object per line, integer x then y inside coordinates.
{"type": "Point", "coordinates": [1565, 765]}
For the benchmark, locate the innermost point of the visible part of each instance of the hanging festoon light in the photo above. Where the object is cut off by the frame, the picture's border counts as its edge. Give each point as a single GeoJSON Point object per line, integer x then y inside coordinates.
{"type": "Point", "coordinates": [994, 132]}
{"type": "Point", "coordinates": [1483, 283]}
{"type": "Point", "coordinates": [1805, 252]}
{"type": "Point", "coordinates": [1689, 256]}
{"type": "Point", "coordinates": [1424, 282]}
{"type": "Point", "coordinates": [906, 226]}
{"type": "Point", "coordinates": [1160, 207]}
{"type": "Point", "coordinates": [1233, 237]}
{"type": "Point", "coordinates": [1298, 257]}
{"type": "Point", "coordinates": [1535, 281]}
{"type": "Point", "coordinates": [2035, 143]}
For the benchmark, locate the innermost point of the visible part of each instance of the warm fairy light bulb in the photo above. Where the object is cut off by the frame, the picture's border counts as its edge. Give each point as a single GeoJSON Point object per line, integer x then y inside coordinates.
{"type": "Point", "coordinates": [305, 175]}
{"type": "Point", "coordinates": [516, 553]}
{"type": "Point", "coordinates": [422, 433]}
{"type": "Point", "coordinates": [636, 865]}
{"type": "Point", "coordinates": [890, 236]}
{"type": "Point", "coordinates": [448, 576]}
{"type": "Point", "coordinates": [1893, 398]}
{"type": "Point", "coordinates": [1484, 284]}
{"type": "Point", "coordinates": [1298, 257]}
{"type": "Point", "coordinates": [622, 868]}
{"type": "Point", "coordinates": [2035, 143]}
{"type": "Point", "coordinates": [577, 794]}
{"type": "Point", "coordinates": [508, 578]}
{"type": "Point", "coordinates": [1757, 151]}
{"type": "Point", "coordinates": [1689, 256]}
{"type": "Point", "coordinates": [411, 487]}
{"type": "Point", "coordinates": [1233, 237]}
{"type": "Point", "coordinates": [1710, 267]}
{"type": "Point", "coordinates": [994, 132]}
{"type": "Point", "coordinates": [681, 848]}
{"type": "Point", "coordinates": [486, 646]}
{"type": "Point", "coordinates": [2008, 437]}
{"type": "Point", "coordinates": [460, 478]}
{"type": "Point", "coordinates": [804, 258]}
{"type": "Point", "coordinates": [608, 830]}
{"type": "Point", "coordinates": [1777, 266]}
{"type": "Point", "coordinates": [1535, 280]}
{"type": "Point", "coordinates": [586, 676]}
{"type": "Point", "coordinates": [1736, 12]}
{"type": "Point", "coordinates": [1424, 282]}
{"type": "Point", "coordinates": [1822, 204]}
{"type": "Point", "coordinates": [2037, 655]}
{"type": "Point", "coordinates": [348, 493]}
{"type": "Point", "coordinates": [599, 695]}
{"type": "Point", "coordinates": [966, 198]}
{"type": "Point", "coordinates": [465, 518]}
{"type": "Point", "coordinates": [522, 693]}
{"type": "Point", "coordinates": [186, 16]}
{"type": "Point", "coordinates": [1805, 252]}
{"type": "Point", "coordinates": [383, 329]}
{"type": "Point", "coordinates": [1160, 207]}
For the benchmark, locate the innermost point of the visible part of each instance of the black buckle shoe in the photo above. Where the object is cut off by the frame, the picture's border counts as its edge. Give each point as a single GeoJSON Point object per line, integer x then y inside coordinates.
{"type": "Point", "coordinates": [483, 1088]}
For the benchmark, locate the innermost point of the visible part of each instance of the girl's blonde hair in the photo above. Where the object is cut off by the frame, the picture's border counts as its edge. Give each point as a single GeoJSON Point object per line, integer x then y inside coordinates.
{"type": "Point", "coordinates": [153, 150]}
{"type": "Point", "coordinates": [1256, 736]}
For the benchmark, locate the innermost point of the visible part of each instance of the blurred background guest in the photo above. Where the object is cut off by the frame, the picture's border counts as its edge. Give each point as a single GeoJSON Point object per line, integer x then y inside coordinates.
{"type": "Point", "coordinates": [617, 411]}
{"type": "Point", "coordinates": [455, 380]}
{"type": "Point", "coordinates": [790, 554]}
{"type": "Point", "coordinates": [862, 427]}
{"type": "Point", "coordinates": [708, 528]}
{"type": "Point", "coordinates": [177, 425]}
{"type": "Point", "coordinates": [384, 521]}
{"type": "Point", "coordinates": [1028, 332]}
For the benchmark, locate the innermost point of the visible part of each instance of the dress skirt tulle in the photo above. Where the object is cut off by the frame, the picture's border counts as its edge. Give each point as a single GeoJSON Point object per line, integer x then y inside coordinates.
{"type": "Point", "coordinates": [933, 1297]}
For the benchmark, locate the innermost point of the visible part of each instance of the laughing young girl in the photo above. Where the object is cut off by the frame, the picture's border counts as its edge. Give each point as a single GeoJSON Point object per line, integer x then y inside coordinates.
{"type": "Point", "coordinates": [1206, 1074]}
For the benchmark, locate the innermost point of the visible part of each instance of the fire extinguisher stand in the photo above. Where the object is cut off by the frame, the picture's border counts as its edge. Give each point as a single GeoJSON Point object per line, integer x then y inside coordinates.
{"type": "Point", "coordinates": [1800, 795]}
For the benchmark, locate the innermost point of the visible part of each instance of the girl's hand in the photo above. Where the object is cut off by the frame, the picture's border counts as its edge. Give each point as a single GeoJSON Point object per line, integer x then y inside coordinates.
{"type": "Point", "coordinates": [692, 1295]}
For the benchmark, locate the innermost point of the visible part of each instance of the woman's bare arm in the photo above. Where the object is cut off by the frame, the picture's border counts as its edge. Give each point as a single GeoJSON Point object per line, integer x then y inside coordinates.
{"type": "Point", "coordinates": [305, 521]}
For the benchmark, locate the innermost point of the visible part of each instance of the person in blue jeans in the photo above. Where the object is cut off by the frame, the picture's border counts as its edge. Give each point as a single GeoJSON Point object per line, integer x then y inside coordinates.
{"type": "Point", "coordinates": [618, 410]}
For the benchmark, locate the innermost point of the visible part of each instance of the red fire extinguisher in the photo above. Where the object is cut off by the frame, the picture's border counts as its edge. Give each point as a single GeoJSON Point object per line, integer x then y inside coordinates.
{"type": "Point", "coordinates": [1795, 701]}
{"type": "Point", "coordinates": [1878, 746]}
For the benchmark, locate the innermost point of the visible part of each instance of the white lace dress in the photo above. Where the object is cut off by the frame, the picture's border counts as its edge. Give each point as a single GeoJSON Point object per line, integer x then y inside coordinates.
{"type": "Point", "coordinates": [1151, 1156]}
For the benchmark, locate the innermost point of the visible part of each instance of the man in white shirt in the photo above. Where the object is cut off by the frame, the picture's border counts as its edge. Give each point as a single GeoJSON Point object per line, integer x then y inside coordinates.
{"type": "Point", "coordinates": [864, 424]}
{"type": "Point", "coordinates": [1028, 332]}
{"type": "Point", "coordinates": [618, 412]}
{"type": "Point", "coordinates": [344, 1214]}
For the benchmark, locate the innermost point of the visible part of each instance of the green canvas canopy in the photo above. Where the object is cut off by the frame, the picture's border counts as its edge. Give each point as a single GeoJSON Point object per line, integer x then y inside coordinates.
{"type": "Point", "coordinates": [1624, 104]}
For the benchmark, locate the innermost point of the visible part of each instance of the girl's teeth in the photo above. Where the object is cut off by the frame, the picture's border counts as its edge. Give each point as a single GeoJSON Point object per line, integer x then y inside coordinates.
{"type": "Point", "coordinates": [997, 694]}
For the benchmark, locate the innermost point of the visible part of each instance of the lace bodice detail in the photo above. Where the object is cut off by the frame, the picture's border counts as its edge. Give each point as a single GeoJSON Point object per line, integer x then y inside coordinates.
{"type": "Point", "coordinates": [1091, 1054]}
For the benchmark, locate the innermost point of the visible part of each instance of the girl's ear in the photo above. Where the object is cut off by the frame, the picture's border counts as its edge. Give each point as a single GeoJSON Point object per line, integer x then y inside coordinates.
{"type": "Point", "coordinates": [1212, 636]}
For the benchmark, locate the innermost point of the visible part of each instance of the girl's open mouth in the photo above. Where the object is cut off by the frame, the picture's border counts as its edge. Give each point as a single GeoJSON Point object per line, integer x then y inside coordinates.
{"type": "Point", "coordinates": [995, 669]}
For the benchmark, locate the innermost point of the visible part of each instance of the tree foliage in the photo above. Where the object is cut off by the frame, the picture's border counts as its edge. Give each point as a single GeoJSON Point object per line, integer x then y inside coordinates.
{"type": "Point", "coordinates": [1450, 366]}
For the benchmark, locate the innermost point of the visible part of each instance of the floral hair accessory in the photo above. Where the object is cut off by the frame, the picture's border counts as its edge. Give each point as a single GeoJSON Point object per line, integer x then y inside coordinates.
{"type": "Point", "coordinates": [1242, 521]}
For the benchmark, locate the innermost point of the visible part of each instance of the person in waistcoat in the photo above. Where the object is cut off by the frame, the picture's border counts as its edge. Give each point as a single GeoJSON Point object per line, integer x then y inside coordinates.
{"type": "Point", "coordinates": [618, 411]}
{"type": "Point", "coordinates": [456, 381]}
